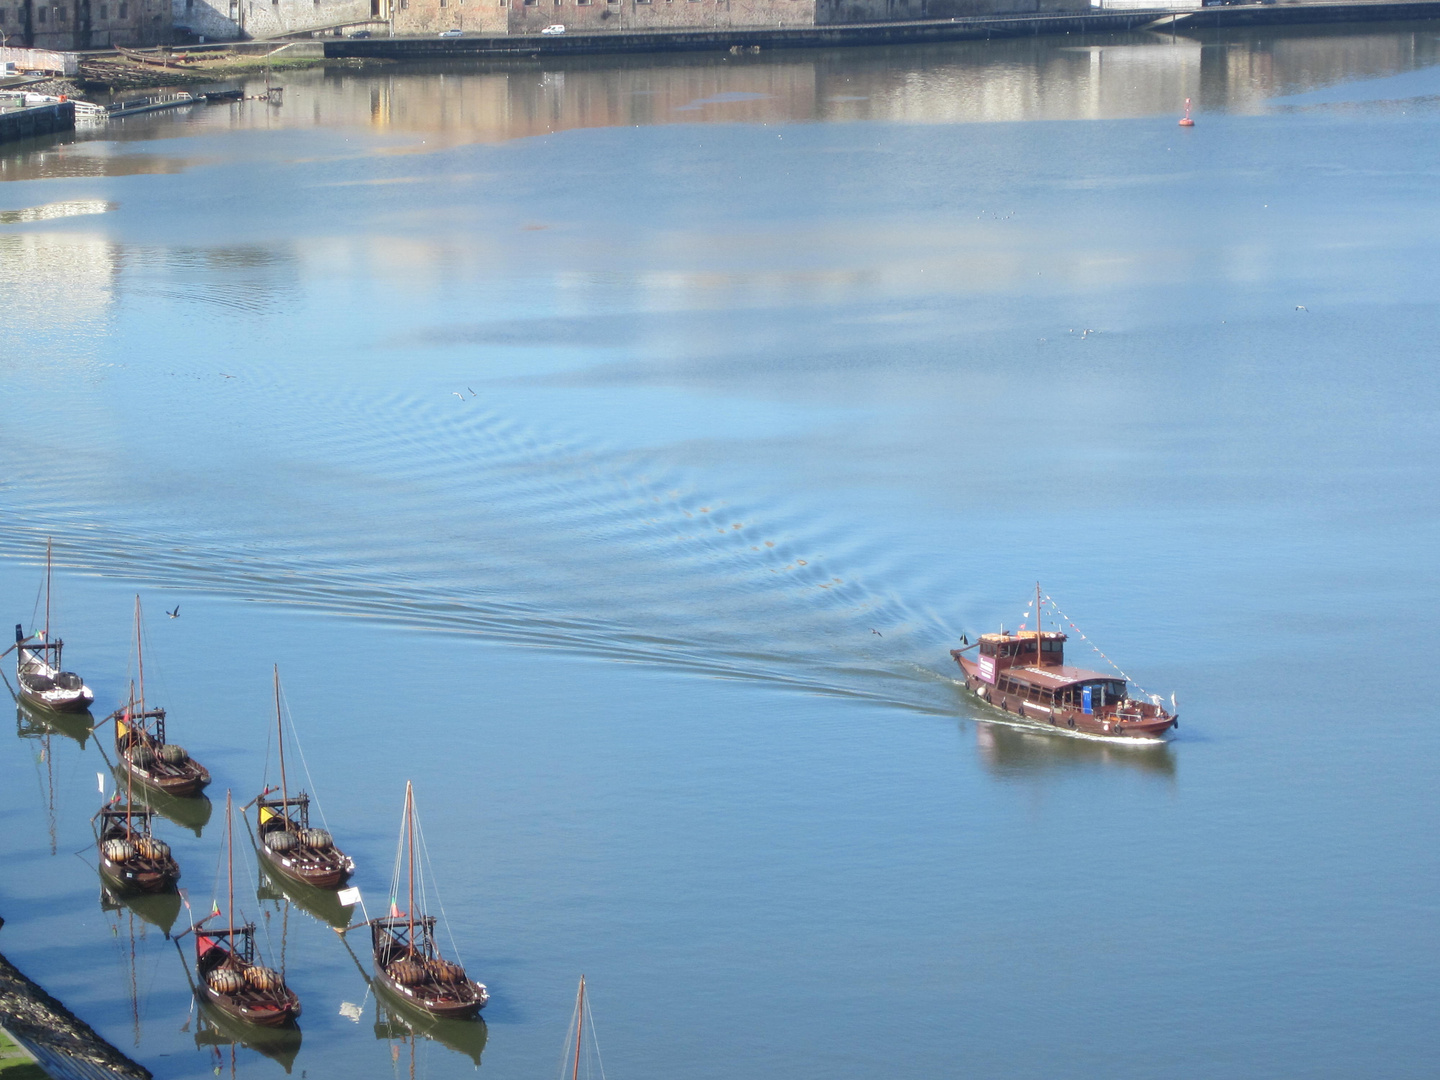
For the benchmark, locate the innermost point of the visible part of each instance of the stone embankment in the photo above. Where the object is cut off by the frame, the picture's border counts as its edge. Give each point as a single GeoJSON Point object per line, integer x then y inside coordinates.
{"type": "Point", "coordinates": [62, 1045]}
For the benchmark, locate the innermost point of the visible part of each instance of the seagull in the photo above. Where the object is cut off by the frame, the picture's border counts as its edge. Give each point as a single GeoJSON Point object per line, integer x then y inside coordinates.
{"type": "Point", "coordinates": [472, 392]}
{"type": "Point", "coordinates": [458, 394]}
{"type": "Point", "coordinates": [1301, 307]}
{"type": "Point", "coordinates": [224, 376]}
{"type": "Point", "coordinates": [174, 614]}
{"type": "Point", "coordinates": [876, 632]}
{"type": "Point", "coordinates": [1087, 333]}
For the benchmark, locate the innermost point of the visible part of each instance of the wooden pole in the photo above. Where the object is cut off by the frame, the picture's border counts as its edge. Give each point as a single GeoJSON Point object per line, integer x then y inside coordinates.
{"type": "Point", "coordinates": [579, 1026]}
{"type": "Point", "coordinates": [1038, 643]}
{"type": "Point", "coordinates": [230, 869]}
{"type": "Point", "coordinates": [280, 734]}
{"type": "Point", "coordinates": [129, 767]}
{"type": "Point", "coordinates": [410, 839]}
{"type": "Point", "coordinates": [48, 542]}
{"type": "Point", "coordinates": [139, 652]}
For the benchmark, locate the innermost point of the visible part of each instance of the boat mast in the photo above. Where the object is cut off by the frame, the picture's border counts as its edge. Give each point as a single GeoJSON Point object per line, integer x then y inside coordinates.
{"type": "Point", "coordinates": [129, 765]}
{"type": "Point", "coordinates": [410, 837]}
{"type": "Point", "coordinates": [1038, 661]}
{"type": "Point", "coordinates": [230, 872]}
{"type": "Point", "coordinates": [280, 734]}
{"type": "Point", "coordinates": [48, 542]}
{"type": "Point", "coordinates": [579, 1026]}
{"type": "Point", "coordinates": [139, 653]}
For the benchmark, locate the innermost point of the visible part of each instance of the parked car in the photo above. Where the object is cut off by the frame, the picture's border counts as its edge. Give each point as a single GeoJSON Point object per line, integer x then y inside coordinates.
{"type": "Point", "coordinates": [556, 28]}
{"type": "Point", "coordinates": [452, 33]}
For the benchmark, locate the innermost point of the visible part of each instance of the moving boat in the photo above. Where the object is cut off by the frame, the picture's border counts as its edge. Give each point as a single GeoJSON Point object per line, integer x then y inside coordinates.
{"type": "Point", "coordinates": [407, 963]}
{"type": "Point", "coordinates": [229, 978]}
{"type": "Point", "coordinates": [38, 665]}
{"type": "Point", "coordinates": [1025, 674]}
{"type": "Point", "coordinates": [140, 741]}
{"type": "Point", "coordinates": [131, 859]}
{"type": "Point", "coordinates": [287, 842]}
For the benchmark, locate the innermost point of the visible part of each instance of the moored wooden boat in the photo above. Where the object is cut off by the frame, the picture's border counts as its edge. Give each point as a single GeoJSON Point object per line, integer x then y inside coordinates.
{"type": "Point", "coordinates": [408, 965]}
{"type": "Point", "coordinates": [141, 743]}
{"type": "Point", "coordinates": [1025, 674]}
{"type": "Point", "coordinates": [287, 842]}
{"type": "Point", "coordinates": [131, 859]}
{"type": "Point", "coordinates": [229, 978]}
{"type": "Point", "coordinates": [39, 665]}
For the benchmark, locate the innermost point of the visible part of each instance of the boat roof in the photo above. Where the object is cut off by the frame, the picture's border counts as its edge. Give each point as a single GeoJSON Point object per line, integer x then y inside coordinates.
{"type": "Point", "coordinates": [1023, 635]}
{"type": "Point", "coordinates": [1053, 678]}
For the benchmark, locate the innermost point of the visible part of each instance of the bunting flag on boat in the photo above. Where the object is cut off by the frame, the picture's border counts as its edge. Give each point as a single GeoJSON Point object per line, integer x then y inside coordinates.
{"type": "Point", "coordinates": [214, 907]}
{"type": "Point", "coordinates": [100, 779]}
{"type": "Point", "coordinates": [394, 909]}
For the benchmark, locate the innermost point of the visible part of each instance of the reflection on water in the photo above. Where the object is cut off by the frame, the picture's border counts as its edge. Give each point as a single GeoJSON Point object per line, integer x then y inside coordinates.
{"type": "Point", "coordinates": [321, 904]}
{"type": "Point", "coordinates": [156, 909]}
{"type": "Point", "coordinates": [191, 813]}
{"type": "Point", "coordinates": [395, 1021]}
{"type": "Point", "coordinates": [1071, 77]}
{"type": "Point", "coordinates": [221, 1036]}
{"type": "Point", "coordinates": [33, 723]}
{"type": "Point", "coordinates": [130, 919]}
{"type": "Point", "coordinates": [1010, 751]}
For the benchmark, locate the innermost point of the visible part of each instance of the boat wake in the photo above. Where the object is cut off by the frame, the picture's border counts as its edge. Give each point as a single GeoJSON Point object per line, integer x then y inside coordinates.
{"type": "Point", "coordinates": [475, 524]}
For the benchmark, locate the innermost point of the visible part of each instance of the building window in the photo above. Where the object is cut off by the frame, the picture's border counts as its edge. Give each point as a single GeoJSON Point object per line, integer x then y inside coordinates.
{"type": "Point", "coordinates": [124, 10]}
{"type": "Point", "coordinates": [2, 16]}
{"type": "Point", "coordinates": [40, 16]}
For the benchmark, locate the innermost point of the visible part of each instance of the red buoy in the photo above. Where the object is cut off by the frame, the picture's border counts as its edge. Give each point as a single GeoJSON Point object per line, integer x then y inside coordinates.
{"type": "Point", "coordinates": [1185, 120]}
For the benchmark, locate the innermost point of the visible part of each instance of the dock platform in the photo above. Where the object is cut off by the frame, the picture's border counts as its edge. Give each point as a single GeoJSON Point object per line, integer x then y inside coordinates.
{"type": "Point", "coordinates": [31, 120]}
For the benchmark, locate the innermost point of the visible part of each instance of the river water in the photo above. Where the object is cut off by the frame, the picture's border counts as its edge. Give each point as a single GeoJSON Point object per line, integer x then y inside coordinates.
{"type": "Point", "coordinates": [616, 448]}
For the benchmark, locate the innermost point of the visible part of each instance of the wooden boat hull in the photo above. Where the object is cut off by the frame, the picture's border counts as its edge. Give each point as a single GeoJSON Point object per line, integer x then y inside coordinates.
{"type": "Point", "coordinates": [57, 700]}
{"type": "Point", "coordinates": [327, 877]}
{"type": "Point", "coordinates": [1107, 725]}
{"type": "Point", "coordinates": [266, 1014]}
{"type": "Point", "coordinates": [423, 998]}
{"type": "Point", "coordinates": [186, 785]}
{"type": "Point", "coordinates": [143, 880]}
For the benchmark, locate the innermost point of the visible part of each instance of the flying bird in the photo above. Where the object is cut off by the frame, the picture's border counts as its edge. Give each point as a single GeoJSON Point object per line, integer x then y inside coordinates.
{"type": "Point", "coordinates": [472, 392]}
{"type": "Point", "coordinates": [174, 614]}
{"type": "Point", "coordinates": [1301, 307]}
{"type": "Point", "coordinates": [458, 394]}
{"type": "Point", "coordinates": [876, 632]}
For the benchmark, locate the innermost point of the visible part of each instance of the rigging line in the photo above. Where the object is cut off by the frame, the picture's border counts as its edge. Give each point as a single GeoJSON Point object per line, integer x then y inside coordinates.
{"type": "Point", "coordinates": [594, 1039]}
{"type": "Point", "coordinates": [295, 738]}
{"type": "Point", "coordinates": [1092, 645]}
{"type": "Point", "coordinates": [395, 874]}
{"type": "Point", "coordinates": [425, 850]}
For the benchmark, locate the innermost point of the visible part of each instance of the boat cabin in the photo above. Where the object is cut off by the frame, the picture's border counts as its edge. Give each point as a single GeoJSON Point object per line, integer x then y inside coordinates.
{"type": "Point", "coordinates": [1009, 649]}
{"type": "Point", "coordinates": [1008, 661]}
